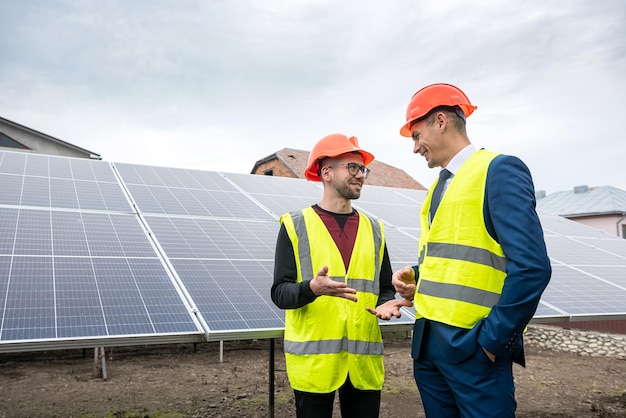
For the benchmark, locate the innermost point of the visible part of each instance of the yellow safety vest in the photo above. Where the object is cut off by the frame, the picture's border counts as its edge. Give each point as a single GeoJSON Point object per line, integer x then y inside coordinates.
{"type": "Point", "coordinates": [462, 268]}
{"type": "Point", "coordinates": [331, 337]}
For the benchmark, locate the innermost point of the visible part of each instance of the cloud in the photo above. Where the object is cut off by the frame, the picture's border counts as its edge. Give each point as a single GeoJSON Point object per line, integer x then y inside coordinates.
{"type": "Point", "coordinates": [223, 84]}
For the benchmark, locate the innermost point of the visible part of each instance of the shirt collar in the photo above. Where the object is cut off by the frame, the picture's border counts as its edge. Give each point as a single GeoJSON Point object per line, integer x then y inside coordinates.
{"type": "Point", "coordinates": [457, 161]}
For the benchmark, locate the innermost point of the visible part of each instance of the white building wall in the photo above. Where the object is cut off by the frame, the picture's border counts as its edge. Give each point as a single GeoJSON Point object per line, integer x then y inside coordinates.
{"type": "Point", "coordinates": [611, 224]}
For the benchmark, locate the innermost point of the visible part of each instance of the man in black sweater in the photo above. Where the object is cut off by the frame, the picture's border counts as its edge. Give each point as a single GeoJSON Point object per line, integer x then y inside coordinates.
{"type": "Point", "coordinates": [333, 276]}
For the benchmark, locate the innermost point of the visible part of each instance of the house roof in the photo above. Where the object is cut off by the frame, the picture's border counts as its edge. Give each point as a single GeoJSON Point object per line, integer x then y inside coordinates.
{"type": "Point", "coordinates": [584, 201]}
{"type": "Point", "coordinates": [381, 175]}
{"type": "Point", "coordinates": [16, 125]}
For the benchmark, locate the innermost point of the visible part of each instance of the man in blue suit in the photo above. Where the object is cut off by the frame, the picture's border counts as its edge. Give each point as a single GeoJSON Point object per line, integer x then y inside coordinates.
{"type": "Point", "coordinates": [482, 266]}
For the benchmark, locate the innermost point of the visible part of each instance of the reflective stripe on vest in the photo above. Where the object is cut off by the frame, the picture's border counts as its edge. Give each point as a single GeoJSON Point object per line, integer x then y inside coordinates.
{"type": "Point", "coordinates": [333, 347]}
{"type": "Point", "coordinates": [458, 292]}
{"type": "Point", "coordinates": [465, 252]}
{"type": "Point", "coordinates": [462, 268]}
{"type": "Point", "coordinates": [331, 337]}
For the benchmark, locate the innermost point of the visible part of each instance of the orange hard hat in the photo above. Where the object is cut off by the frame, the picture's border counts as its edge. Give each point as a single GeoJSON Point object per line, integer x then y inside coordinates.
{"type": "Point", "coordinates": [332, 146]}
{"type": "Point", "coordinates": [432, 96]}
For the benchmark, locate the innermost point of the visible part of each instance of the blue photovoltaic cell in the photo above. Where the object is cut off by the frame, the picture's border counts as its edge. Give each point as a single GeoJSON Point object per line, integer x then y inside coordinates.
{"type": "Point", "coordinates": [61, 168]}
{"type": "Point", "coordinates": [613, 274]}
{"type": "Point", "coordinates": [279, 195]}
{"type": "Point", "coordinates": [613, 245]}
{"type": "Point", "coordinates": [30, 181]}
{"type": "Point", "coordinates": [231, 295]}
{"type": "Point", "coordinates": [173, 177]}
{"type": "Point", "coordinates": [39, 232]}
{"type": "Point", "coordinates": [567, 251]}
{"type": "Point", "coordinates": [33, 235]}
{"type": "Point", "coordinates": [199, 202]}
{"type": "Point", "coordinates": [35, 192]}
{"type": "Point", "coordinates": [29, 293]}
{"type": "Point", "coordinates": [417, 196]}
{"type": "Point", "coordinates": [402, 248]}
{"type": "Point", "coordinates": [101, 196]}
{"type": "Point", "coordinates": [279, 205]}
{"type": "Point", "coordinates": [12, 162]}
{"type": "Point", "coordinates": [5, 269]}
{"type": "Point", "coordinates": [78, 296]}
{"type": "Point", "coordinates": [115, 235]}
{"type": "Point", "coordinates": [276, 186]}
{"type": "Point", "coordinates": [215, 239]}
{"type": "Point", "coordinates": [378, 194]}
{"type": "Point", "coordinates": [8, 226]}
{"type": "Point", "coordinates": [557, 225]}
{"type": "Point", "coordinates": [577, 292]}
{"type": "Point", "coordinates": [127, 290]}
{"type": "Point", "coordinates": [63, 194]}
{"type": "Point", "coordinates": [36, 165]}
{"type": "Point", "coordinates": [399, 215]}
{"type": "Point", "coordinates": [10, 189]}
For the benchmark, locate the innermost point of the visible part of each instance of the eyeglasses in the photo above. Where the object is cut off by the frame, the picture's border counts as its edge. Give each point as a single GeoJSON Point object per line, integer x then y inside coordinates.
{"type": "Point", "coordinates": [354, 168]}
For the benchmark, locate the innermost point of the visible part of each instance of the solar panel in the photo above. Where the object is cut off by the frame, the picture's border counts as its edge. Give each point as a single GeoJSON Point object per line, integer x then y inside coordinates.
{"type": "Point", "coordinates": [556, 225]}
{"type": "Point", "coordinates": [77, 267]}
{"type": "Point", "coordinates": [583, 294]}
{"type": "Point", "coordinates": [95, 253]}
{"type": "Point", "coordinates": [576, 252]}
{"type": "Point", "coordinates": [232, 296]}
{"type": "Point", "coordinates": [275, 186]}
{"type": "Point", "coordinates": [173, 177]}
{"type": "Point", "coordinates": [402, 245]}
{"type": "Point", "coordinates": [215, 238]}
{"type": "Point", "coordinates": [278, 195]}
{"type": "Point", "coordinates": [72, 184]}
{"type": "Point", "coordinates": [209, 199]}
{"type": "Point", "coordinates": [72, 276]}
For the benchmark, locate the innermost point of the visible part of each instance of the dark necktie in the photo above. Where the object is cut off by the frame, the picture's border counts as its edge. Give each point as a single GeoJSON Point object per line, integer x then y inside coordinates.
{"type": "Point", "coordinates": [434, 203]}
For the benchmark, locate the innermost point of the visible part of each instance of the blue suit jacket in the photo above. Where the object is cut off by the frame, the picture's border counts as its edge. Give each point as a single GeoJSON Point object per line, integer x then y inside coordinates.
{"type": "Point", "coordinates": [511, 219]}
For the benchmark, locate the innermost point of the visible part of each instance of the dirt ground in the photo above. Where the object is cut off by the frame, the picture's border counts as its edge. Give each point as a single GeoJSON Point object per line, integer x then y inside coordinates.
{"type": "Point", "coordinates": [185, 381]}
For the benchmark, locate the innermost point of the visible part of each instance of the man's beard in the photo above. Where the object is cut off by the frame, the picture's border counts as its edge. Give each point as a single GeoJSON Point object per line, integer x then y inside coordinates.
{"type": "Point", "coordinates": [347, 191]}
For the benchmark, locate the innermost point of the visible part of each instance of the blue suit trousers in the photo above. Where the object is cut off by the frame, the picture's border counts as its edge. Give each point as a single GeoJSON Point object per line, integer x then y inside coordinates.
{"type": "Point", "coordinates": [455, 377]}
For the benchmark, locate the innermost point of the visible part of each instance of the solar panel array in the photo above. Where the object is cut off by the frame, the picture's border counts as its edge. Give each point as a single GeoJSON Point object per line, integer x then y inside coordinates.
{"type": "Point", "coordinates": [95, 253]}
{"type": "Point", "coordinates": [589, 273]}
{"type": "Point", "coordinates": [77, 267]}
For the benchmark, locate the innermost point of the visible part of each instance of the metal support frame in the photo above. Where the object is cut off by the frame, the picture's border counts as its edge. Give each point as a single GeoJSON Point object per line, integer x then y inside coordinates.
{"type": "Point", "coordinates": [100, 352]}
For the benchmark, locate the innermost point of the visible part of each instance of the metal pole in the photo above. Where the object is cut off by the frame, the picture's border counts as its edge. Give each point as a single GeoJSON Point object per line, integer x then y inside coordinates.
{"type": "Point", "coordinates": [104, 363]}
{"type": "Point", "coordinates": [271, 379]}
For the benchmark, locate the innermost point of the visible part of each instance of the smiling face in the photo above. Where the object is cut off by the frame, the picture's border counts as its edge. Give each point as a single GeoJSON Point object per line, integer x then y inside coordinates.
{"type": "Point", "coordinates": [344, 184]}
{"type": "Point", "coordinates": [437, 140]}
{"type": "Point", "coordinates": [428, 142]}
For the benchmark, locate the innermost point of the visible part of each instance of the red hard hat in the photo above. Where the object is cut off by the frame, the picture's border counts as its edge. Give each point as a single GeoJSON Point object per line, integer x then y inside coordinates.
{"type": "Point", "coordinates": [433, 96]}
{"type": "Point", "coordinates": [332, 146]}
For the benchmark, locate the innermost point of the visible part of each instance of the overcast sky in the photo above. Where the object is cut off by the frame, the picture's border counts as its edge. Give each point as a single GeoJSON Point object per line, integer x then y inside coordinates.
{"type": "Point", "coordinates": [217, 85]}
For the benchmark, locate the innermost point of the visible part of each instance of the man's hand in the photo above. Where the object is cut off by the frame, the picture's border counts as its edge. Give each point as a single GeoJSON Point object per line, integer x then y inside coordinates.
{"type": "Point", "coordinates": [324, 285]}
{"type": "Point", "coordinates": [403, 281]}
{"type": "Point", "coordinates": [389, 309]}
